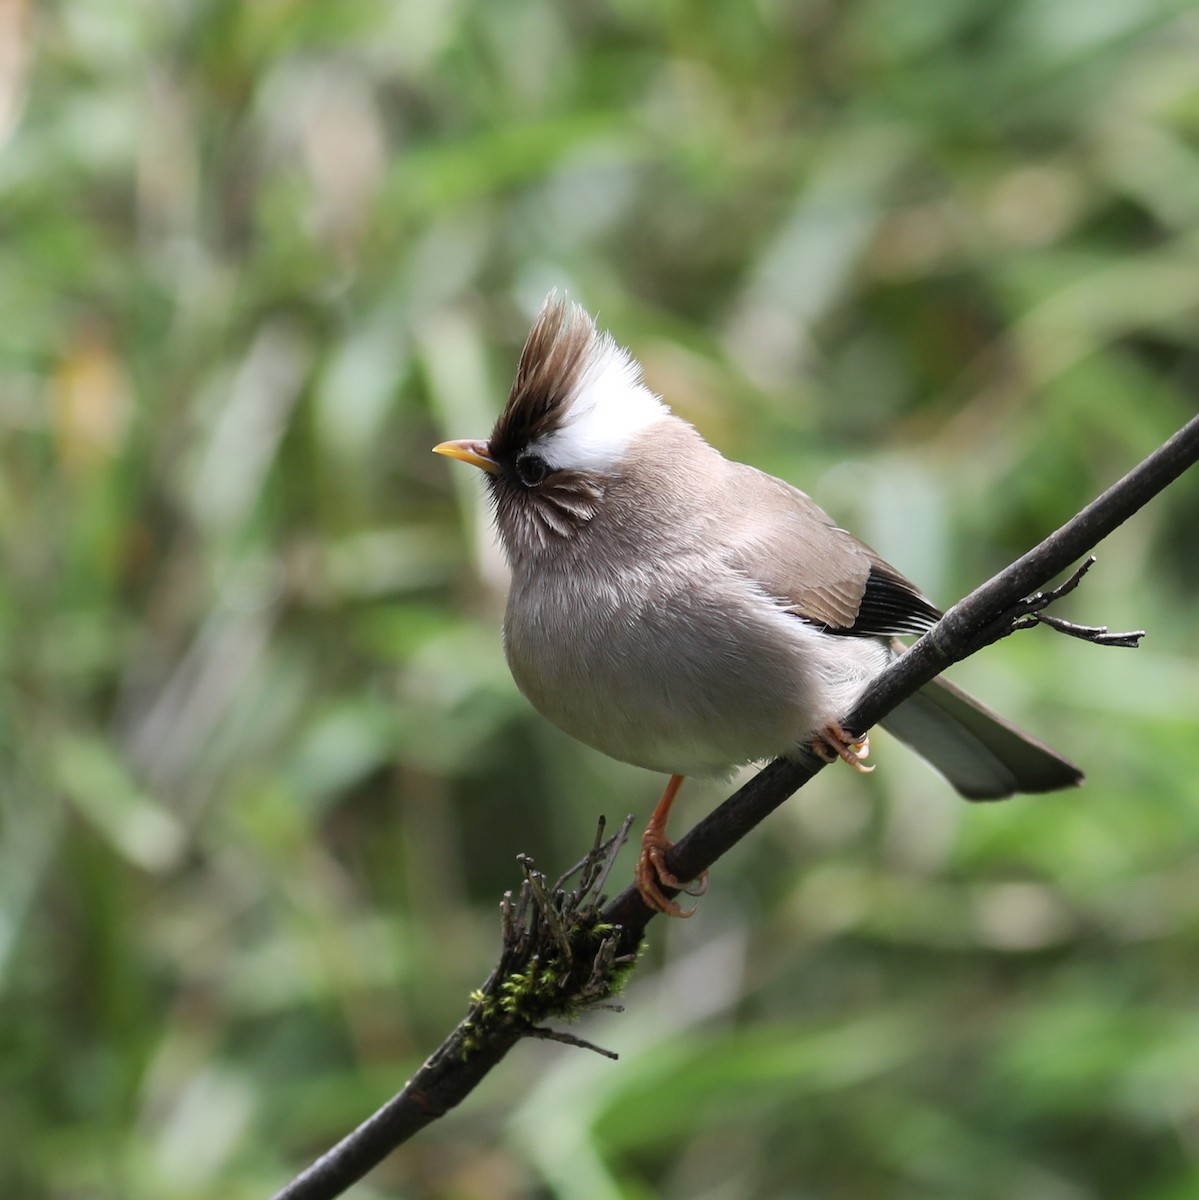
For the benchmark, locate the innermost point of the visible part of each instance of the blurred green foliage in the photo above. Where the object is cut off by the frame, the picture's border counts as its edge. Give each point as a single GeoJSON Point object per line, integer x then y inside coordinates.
{"type": "Point", "coordinates": [263, 774]}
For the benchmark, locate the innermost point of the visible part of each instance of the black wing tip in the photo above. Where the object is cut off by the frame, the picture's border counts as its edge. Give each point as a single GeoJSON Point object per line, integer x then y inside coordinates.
{"type": "Point", "coordinates": [890, 605]}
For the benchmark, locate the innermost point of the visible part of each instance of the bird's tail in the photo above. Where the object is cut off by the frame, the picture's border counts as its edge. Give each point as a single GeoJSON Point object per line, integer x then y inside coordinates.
{"type": "Point", "coordinates": [982, 755]}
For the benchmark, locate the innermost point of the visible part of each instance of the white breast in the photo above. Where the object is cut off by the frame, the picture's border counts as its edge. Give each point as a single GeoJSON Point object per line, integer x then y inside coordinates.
{"type": "Point", "coordinates": [691, 681]}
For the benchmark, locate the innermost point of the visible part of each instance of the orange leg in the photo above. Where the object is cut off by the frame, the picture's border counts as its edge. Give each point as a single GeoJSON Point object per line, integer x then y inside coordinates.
{"type": "Point", "coordinates": [651, 871]}
{"type": "Point", "coordinates": [834, 743]}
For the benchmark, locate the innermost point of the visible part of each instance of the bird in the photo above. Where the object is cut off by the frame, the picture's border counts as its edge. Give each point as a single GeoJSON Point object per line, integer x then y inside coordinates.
{"type": "Point", "coordinates": [690, 614]}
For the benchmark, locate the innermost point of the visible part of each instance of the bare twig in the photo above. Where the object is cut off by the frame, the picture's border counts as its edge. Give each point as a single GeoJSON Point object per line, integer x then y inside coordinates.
{"type": "Point", "coordinates": [568, 1039]}
{"type": "Point", "coordinates": [1030, 611]}
{"type": "Point", "coordinates": [1010, 600]}
{"type": "Point", "coordinates": [1100, 635]}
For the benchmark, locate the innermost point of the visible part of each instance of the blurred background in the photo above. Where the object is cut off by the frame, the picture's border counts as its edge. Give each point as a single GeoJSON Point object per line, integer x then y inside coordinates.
{"type": "Point", "coordinates": [263, 773]}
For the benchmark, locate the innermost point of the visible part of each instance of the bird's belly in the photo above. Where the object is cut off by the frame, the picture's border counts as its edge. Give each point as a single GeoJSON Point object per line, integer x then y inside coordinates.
{"type": "Point", "coordinates": [682, 687]}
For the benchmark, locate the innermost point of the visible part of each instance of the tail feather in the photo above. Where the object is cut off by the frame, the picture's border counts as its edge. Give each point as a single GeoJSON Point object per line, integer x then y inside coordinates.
{"type": "Point", "coordinates": [983, 756]}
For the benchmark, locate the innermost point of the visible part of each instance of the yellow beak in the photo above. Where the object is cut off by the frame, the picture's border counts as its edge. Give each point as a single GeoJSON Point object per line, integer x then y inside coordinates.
{"type": "Point", "coordinates": [475, 453]}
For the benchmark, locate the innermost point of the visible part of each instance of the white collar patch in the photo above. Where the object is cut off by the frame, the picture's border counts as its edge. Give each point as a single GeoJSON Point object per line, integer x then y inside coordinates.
{"type": "Point", "coordinates": [610, 406]}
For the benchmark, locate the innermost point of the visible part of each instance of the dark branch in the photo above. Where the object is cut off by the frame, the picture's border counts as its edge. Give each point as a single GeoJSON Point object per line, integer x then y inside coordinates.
{"type": "Point", "coordinates": [558, 957]}
{"type": "Point", "coordinates": [548, 921]}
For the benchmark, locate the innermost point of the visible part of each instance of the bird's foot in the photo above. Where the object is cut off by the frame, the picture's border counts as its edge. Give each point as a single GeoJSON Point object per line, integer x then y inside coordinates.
{"type": "Point", "coordinates": [834, 743]}
{"type": "Point", "coordinates": [652, 875]}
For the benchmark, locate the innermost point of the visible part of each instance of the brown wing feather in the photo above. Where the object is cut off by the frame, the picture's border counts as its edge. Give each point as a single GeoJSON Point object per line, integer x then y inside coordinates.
{"type": "Point", "coordinates": [827, 576]}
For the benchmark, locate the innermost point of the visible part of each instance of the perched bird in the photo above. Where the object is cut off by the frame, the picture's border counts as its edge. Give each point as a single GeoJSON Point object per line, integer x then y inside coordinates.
{"type": "Point", "coordinates": [689, 614]}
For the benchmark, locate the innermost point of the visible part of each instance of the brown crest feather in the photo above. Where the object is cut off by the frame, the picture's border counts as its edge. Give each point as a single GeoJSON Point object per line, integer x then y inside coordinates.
{"type": "Point", "coordinates": [552, 365]}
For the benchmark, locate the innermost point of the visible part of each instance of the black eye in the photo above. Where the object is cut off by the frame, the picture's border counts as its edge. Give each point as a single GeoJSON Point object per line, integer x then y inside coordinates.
{"type": "Point", "coordinates": [531, 469]}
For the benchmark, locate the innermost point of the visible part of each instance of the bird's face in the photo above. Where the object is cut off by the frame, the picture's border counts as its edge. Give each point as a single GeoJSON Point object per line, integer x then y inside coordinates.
{"type": "Point", "coordinates": [575, 406]}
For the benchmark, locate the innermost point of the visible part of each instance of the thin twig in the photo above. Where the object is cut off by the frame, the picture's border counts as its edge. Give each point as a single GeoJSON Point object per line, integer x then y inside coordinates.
{"type": "Point", "coordinates": [580, 868]}
{"type": "Point", "coordinates": [1099, 635]}
{"type": "Point", "coordinates": [568, 1039]}
{"type": "Point", "coordinates": [1029, 612]}
{"type": "Point", "coordinates": [604, 868]}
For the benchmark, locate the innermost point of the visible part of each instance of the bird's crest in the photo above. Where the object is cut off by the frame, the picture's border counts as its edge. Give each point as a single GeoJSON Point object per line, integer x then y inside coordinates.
{"type": "Point", "coordinates": [577, 397]}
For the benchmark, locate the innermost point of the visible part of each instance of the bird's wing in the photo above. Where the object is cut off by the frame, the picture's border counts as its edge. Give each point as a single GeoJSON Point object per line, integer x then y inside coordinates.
{"type": "Point", "coordinates": [789, 545]}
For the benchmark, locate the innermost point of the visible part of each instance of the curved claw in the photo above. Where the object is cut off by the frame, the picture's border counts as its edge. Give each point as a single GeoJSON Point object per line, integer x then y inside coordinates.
{"type": "Point", "coordinates": [834, 743]}
{"type": "Point", "coordinates": [651, 875]}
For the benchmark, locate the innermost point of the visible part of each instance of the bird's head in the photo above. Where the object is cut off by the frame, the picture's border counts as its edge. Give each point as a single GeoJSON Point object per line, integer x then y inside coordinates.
{"type": "Point", "coordinates": [576, 405]}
